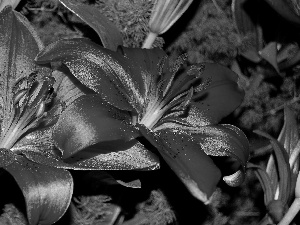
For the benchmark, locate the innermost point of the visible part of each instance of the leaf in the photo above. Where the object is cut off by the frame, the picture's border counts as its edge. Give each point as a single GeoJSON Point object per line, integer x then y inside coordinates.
{"type": "Point", "coordinates": [109, 34]}
{"type": "Point", "coordinates": [252, 55]}
{"type": "Point", "coordinates": [269, 53]}
{"type": "Point", "coordinates": [131, 184]}
{"type": "Point", "coordinates": [288, 56]}
{"type": "Point", "coordinates": [19, 45]}
{"type": "Point", "coordinates": [289, 134]}
{"type": "Point", "coordinates": [265, 182]}
{"type": "Point", "coordinates": [286, 10]}
{"type": "Point", "coordinates": [88, 121]}
{"type": "Point", "coordinates": [47, 190]}
{"type": "Point", "coordinates": [283, 167]}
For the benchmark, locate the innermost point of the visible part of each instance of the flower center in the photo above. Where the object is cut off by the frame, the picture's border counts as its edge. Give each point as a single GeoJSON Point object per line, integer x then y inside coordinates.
{"type": "Point", "coordinates": [25, 110]}
{"type": "Point", "coordinates": [153, 113]}
{"type": "Point", "coordinates": [171, 95]}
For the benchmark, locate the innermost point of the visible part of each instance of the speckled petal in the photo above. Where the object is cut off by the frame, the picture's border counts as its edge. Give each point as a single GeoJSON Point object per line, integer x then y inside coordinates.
{"type": "Point", "coordinates": [19, 44]}
{"type": "Point", "coordinates": [92, 65]}
{"type": "Point", "coordinates": [6, 157]}
{"type": "Point", "coordinates": [38, 146]}
{"type": "Point", "coordinates": [116, 76]}
{"type": "Point", "coordinates": [88, 121]}
{"type": "Point", "coordinates": [225, 140]}
{"type": "Point", "coordinates": [47, 190]}
{"type": "Point", "coordinates": [217, 95]}
{"type": "Point", "coordinates": [135, 158]}
{"type": "Point", "coordinates": [193, 167]}
{"type": "Point", "coordinates": [222, 140]}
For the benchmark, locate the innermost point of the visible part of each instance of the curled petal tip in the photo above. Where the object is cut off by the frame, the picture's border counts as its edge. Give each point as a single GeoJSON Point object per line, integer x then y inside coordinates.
{"type": "Point", "coordinates": [235, 179]}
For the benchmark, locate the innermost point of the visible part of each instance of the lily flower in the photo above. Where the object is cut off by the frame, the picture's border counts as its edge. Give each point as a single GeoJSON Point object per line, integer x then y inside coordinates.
{"type": "Point", "coordinates": [140, 99]}
{"type": "Point", "coordinates": [27, 150]}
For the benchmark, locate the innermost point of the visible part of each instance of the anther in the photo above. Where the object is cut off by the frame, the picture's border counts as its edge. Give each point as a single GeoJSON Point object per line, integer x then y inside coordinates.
{"type": "Point", "coordinates": [18, 96]}
{"type": "Point", "coordinates": [41, 109]}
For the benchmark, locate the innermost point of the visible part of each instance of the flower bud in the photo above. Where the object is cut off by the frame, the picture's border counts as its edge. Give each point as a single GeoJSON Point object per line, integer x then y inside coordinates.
{"type": "Point", "coordinates": [165, 13]}
{"type": "Point", "coordinates": [4, 3]}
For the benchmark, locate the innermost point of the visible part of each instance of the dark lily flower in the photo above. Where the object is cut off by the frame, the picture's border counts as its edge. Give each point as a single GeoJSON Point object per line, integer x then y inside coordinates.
{"type": "Point", "coordinates": [140, 94]}
{"type": "Point", "coordinates": [27, 150]}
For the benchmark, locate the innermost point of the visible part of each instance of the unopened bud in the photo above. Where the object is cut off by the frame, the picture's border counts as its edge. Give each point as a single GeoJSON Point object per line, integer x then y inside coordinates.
{"type": "Point", "coordinates": [12, 3]}
{"type": "Point", "coordinates": [165, 13]}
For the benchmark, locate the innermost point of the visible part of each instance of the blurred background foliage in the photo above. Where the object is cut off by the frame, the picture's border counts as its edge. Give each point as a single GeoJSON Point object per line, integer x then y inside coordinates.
{"type": "Point", "coordinates": [207, 32]}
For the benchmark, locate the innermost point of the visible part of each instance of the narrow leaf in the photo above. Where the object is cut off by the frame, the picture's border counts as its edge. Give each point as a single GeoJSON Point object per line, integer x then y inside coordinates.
{"type": "Point", "coordinates": [283, 167]}
{"type": "Point", "coordinates": [289, 134]}
{"type": "Point", "coordinates": [269, 53]}
{"type": "Point", "coordinates": [265, 183]}
{"type": "Point", "coordinates": [109, 34]}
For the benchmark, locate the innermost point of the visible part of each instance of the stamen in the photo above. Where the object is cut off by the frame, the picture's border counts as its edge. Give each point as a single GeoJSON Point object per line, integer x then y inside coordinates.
{"type": "Point", "coordinates": [166, 97]}
{"type": "Point", "coordinates": [28, 106]}
{"type": "Point", "coordinates": [19, 96]}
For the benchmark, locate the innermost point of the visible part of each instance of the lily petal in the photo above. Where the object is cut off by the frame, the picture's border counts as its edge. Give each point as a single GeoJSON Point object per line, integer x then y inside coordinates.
{"type": "Point", "coordinates": [223, 140]}
{"type": "Point", "coordinates": [116, 76]}
{"type": "Point", "coordinates": [6, 157]}
{"type": "Point", "coordinates": [216, 96]}
{"type": "Point", "coordinates": [19, 44]}
{"type": "Point", "coordinates": [189, 162]}
{"type": "Point", "coordinates": [88, 121]}
{"type": "Point", "coordinates": [138, 157]}
{"type": "Point", "coordinates": [38, 146]}
{"type": "Point", "coordinates": [47, 190]}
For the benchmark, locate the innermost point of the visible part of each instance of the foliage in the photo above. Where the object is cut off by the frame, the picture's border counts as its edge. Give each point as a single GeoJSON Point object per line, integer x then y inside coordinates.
{"type": "Point", "coordinates": [209, 35]}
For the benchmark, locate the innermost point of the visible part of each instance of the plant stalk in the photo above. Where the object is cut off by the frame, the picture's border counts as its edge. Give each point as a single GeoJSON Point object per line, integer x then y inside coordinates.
{"type": "Point", "coordinates": [149, 40]}
{"type": "Point", "coordinates": [291, 213]}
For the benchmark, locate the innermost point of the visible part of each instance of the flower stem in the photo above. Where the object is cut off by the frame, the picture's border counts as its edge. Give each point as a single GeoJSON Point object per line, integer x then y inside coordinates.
{"type": "Point", "coordinates": [291, 213]}
{"type": "Point", "coordinates": [149, 40]}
